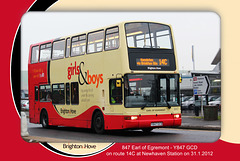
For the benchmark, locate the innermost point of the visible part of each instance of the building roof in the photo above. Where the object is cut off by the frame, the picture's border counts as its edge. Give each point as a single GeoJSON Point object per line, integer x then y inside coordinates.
{"type": "Point", "coordinates": [205, 72]}
{"type": "Point", "coordinates": [217, 58]}
{"type": "Point", "coordinates": [190, 73]}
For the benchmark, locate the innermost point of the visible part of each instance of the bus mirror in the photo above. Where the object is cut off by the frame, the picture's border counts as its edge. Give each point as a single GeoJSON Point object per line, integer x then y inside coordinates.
{"type": "Point", "coordinates": [118, 83]}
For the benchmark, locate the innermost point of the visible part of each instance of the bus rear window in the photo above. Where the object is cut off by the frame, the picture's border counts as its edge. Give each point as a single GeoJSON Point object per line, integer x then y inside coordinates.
{"type": "Point", "coordinates": [35, 54]}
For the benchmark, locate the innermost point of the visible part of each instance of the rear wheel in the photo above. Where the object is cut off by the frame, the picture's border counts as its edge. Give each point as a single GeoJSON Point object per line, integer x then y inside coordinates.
{"type": "Point", "coordinates": [98, 122]}
{"type": "Point", "coordinates": [44, 119]}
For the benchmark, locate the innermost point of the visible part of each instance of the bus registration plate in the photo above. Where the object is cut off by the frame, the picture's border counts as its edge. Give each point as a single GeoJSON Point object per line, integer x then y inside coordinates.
{"type": "Point", "coordinates": [156, 124]}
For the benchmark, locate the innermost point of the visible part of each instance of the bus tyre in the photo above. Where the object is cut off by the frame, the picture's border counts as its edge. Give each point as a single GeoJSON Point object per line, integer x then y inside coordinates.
{"type": "Point", "coordinates": [44, 119]}
{"type": "Point", "coordinates": [147, 130]}
{"type": "Point", "coordinates": [98, 122]}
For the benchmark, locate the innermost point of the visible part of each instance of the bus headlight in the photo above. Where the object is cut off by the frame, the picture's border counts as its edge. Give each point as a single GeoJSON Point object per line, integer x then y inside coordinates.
{"type": "Point", "coordinates": [134, 117]}
{"type": "Point", "coordinates": [130, 118]}
{"type": "Point", "coordinates": [177, 116]}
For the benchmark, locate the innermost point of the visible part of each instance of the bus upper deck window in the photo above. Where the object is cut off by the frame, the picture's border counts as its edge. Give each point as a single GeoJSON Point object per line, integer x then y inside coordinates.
{"type": "Point", "coordinates": [67, 50]}
{"type": "Point", "coordinates": [45, 52]}
{"type": "Point", "coordinates": [112, 39]}
{"type": "Point", "coordinates": [78, 46]}
{"type": "Point", "coordinates": [95, 42]}
{"type": "Point", "coordinates": [148, 35]}
{"type": "Point", "coordinates": [58, 49]}
{"type": "Point", "coordinates": [35, 54]}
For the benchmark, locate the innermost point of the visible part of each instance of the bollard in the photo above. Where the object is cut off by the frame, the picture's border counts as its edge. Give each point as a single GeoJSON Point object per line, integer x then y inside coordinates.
{"type": "Point", "coordinates": [196, 110]}
{"type": "Point", "coordinates": [24, 131]}
{"type": "Point", "coordinates": [210, 113]}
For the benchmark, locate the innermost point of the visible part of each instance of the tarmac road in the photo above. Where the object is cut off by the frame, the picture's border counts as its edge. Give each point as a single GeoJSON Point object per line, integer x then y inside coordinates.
{"type": "Point", "coordinates": [163, 135]}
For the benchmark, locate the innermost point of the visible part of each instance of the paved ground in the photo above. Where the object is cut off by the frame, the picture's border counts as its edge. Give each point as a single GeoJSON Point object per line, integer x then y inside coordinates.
{"type": "Point", "coordinates": [190, 121]}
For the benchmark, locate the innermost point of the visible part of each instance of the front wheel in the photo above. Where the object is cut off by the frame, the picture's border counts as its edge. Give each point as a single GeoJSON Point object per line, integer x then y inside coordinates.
{"type": "Point", "coordinates": [98, 122]}
{"type": "Point", "coordinates": [147, 130]}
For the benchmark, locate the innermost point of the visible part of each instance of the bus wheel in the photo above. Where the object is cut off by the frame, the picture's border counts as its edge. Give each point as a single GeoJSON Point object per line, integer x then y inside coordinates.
{"type": "Point", "coordinates": [98, 122]}
{"type": "Point", "coordinates": [44, 119]}
{"type": "Point", "coordinates": [147, 130]}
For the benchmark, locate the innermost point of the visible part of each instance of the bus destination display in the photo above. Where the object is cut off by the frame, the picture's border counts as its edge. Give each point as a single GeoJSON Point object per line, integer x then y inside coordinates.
{"type": "Point", "coordinates": [152, 62]}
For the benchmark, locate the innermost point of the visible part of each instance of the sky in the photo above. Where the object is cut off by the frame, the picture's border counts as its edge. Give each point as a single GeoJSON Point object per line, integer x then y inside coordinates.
{"type": "Point", "coordinates": [199, 29]}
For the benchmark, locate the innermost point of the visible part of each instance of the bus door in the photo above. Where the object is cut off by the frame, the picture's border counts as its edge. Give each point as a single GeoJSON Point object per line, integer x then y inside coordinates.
{"type": "Point", "coordinates": [116, 94]}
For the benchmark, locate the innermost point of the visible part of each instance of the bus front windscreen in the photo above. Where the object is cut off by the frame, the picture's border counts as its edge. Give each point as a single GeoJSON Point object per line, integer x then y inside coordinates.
{"type": "Point", "coordinates": [151, 90]}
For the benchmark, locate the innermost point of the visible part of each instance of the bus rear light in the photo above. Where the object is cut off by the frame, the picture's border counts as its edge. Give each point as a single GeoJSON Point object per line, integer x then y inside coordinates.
{"type": "Point", "coordinates": [130, 118]}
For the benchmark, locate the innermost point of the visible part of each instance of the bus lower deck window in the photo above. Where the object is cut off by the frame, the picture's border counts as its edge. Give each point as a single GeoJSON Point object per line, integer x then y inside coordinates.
{"type": "Point", "coordinates": [74, 93]}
